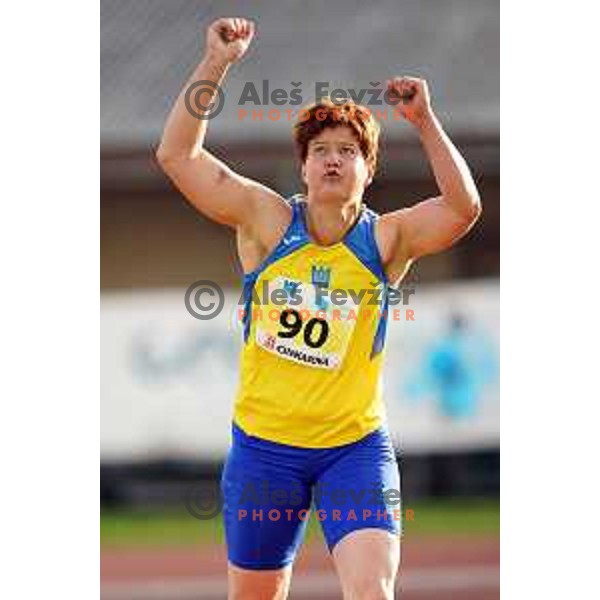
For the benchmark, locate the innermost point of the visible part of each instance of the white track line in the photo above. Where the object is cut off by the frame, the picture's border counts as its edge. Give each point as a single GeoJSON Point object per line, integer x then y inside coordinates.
{"type": "Point", "coordinates": [209, 588]}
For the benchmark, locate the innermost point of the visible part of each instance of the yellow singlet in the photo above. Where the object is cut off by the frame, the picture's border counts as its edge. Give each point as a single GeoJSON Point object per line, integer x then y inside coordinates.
{"type": "Point", "coordinates": [312, 358]}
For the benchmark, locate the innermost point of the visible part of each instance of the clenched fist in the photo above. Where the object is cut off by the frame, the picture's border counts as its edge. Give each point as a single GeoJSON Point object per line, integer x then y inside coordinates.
{"type": "Point", "coordinates": [415, 103]}
{"type": "Point", "coordinates": [228, 39]}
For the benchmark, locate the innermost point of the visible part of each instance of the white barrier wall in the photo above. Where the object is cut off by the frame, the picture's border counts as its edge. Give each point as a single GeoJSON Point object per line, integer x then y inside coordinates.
{"type": "Point", "coordinates": [168, 380]}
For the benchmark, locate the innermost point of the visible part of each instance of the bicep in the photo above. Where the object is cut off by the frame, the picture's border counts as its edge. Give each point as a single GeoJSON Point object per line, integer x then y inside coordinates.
{"type": "Point", "coordinates": [217, 191]}
{"type": "Point", "coordinates": [428, 227]}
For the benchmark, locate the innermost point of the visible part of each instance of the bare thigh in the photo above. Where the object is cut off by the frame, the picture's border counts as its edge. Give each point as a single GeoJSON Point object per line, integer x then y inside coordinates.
{"type": "Point", "coordinates": [246, 584]}
{"type": "Point", "coordinates": [367, 562]}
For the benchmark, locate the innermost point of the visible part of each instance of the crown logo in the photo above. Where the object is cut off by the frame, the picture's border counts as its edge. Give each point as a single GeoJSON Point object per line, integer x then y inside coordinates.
{"type": "Point", "coordinates": [321, 276]}
{"type": "Point", "coordinates": [291, 287]}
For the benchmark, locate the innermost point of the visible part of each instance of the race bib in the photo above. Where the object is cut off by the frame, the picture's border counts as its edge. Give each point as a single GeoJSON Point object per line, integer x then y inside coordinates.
{"type": "Point", "coordinates": [306, 328]}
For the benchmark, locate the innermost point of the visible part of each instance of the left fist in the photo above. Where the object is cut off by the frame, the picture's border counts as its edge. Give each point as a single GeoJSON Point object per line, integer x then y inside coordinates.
{"type": "Point", "coordinates": [414, 101]}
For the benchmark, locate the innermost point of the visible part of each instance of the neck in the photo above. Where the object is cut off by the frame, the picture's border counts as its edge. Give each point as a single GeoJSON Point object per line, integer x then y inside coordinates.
{"type": "Point", "coordinates": [328, 222]}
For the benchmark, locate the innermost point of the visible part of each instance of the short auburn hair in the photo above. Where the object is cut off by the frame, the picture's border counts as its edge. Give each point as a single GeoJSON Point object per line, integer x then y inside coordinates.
{"type": "Point", "coordinates": [324, 114]}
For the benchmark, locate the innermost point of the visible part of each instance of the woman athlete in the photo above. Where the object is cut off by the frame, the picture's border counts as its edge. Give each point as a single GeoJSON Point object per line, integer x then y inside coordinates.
{"type": "Point", "coordinates": [309, 426]}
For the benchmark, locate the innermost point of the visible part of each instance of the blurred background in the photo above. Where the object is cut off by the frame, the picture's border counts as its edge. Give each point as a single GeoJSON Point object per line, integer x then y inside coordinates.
{"type": "Point", "coordinates": [168, 380]}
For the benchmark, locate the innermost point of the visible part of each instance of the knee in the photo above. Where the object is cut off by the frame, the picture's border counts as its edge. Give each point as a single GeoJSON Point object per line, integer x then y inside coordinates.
{"type": "Point", "coordinates": [253, 585]}
{"type": "Point", "coordinates": [257, 592]}
{"type": "Point", "coordinates": [369, 588]}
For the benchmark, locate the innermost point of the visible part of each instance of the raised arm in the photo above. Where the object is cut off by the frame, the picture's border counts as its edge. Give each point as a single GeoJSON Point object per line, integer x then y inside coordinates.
{"type": "Point", "coordinates": [207, 183]}
{"type": "Point", "coordinates": [435, 224]}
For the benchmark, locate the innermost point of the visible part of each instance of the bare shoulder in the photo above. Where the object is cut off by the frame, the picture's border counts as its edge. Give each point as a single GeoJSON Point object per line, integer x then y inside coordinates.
{"type": "Point", "coordinates": [258, 237]}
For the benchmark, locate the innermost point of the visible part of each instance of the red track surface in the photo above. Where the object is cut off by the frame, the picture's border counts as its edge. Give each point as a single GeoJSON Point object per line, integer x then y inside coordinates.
{"type": "Point", "coordinates": [440, 568]}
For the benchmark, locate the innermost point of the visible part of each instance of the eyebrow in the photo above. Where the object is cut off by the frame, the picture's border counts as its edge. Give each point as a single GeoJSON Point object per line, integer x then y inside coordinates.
{"type": "Point", "coordinates": [348, 143]}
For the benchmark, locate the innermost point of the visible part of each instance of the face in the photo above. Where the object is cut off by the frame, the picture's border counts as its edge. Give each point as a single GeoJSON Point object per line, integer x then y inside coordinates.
{"type": "Point", "coordinates": [335, 167]}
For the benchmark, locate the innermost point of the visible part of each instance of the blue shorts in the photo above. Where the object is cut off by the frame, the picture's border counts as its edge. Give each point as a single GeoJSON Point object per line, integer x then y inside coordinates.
{"type": "Point", "coordinates": [268, 490]}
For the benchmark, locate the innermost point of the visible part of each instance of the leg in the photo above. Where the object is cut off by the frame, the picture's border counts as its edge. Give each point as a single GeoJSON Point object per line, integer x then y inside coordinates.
{"type": "Point", "coordinates": [367, 562]}
{"type": "Point", "coordinates": [245, 584]}
{"type": "Point", "coordinates": [264, 496]}
{"type": "Point", "coordinates": [359, 494]}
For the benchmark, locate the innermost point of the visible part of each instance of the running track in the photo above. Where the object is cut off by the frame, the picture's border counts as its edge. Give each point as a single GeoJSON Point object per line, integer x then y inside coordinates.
{"type": "Point", "coordinates": [432, 568]}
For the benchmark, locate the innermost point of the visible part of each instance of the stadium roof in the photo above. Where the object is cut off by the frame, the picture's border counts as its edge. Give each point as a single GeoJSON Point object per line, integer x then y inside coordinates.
{"type": "Point", "coordinates": [149, 48]}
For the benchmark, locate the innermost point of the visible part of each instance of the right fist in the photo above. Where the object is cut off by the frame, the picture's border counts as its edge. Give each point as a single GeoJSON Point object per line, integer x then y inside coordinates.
{"type": "Point", "coordinates": [228, 39]}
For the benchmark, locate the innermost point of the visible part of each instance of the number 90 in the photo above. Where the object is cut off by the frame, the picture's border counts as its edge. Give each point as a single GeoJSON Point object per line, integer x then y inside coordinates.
{"type": "Point", "coordinates": [292, 321]}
